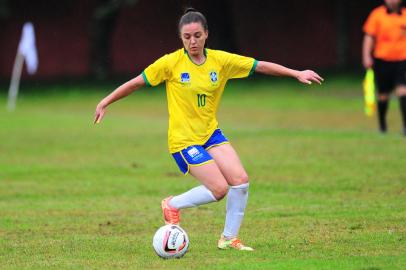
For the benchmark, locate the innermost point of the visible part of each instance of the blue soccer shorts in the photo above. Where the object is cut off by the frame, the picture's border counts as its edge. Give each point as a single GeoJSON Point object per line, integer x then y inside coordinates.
{"type": "Point", "coordinates": [196, 155]}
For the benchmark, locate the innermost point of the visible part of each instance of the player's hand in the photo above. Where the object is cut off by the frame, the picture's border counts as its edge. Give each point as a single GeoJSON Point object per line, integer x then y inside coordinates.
{"type": "Point", "coordinates": [309, 76]}
{"type": "Point", "coordinates": [99, 114]}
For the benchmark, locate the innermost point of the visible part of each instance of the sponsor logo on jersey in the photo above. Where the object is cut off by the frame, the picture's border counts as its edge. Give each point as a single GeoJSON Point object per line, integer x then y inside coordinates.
{"type": "Point", "coordinates": [184, 77]}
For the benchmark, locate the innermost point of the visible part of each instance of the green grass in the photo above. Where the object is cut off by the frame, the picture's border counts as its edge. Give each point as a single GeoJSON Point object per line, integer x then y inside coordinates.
{"type": "Point", "coordinates": [327, 191]}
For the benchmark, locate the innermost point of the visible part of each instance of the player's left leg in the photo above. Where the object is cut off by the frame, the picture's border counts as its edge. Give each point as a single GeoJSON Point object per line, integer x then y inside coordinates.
{"type": "Point", "coordinates": [230, 166]}
{"type": "Point", "coordinates": [385, 74]}
{"type": "Point", "coordinates": [401, 93]}
{"type": "Point", "coordinates": [383, 106]}
{"type": "Point", "coordinates": [400, 88]}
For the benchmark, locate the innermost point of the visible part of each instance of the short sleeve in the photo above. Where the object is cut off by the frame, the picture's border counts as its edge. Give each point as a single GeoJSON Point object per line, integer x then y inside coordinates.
{"type": "Point", "coordinates": [157, 72]}
{"type": "Point", "coordinates": [237, 66]}
{"type": "Point", "coordinates": [371, 24]}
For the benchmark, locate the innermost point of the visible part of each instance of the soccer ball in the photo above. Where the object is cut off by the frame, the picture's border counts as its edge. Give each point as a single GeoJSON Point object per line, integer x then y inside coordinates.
{"type": "Point", "coordinates": [170, 241]}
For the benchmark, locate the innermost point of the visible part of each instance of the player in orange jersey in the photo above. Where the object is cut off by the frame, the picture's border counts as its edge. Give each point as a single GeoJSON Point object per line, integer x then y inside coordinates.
{"type": "Point", "coordinates": [384, 49]}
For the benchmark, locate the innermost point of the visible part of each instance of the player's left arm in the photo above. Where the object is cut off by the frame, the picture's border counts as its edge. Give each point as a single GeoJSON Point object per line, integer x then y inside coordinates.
{"type": "Point", "coordinates": [304, 76]}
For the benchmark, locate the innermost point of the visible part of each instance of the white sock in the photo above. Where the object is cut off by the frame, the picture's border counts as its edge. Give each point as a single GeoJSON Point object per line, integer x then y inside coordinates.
{"type": "Point", "coordinates": [236, 202]}
{"type": "Point", "coordinates": [192, 198]}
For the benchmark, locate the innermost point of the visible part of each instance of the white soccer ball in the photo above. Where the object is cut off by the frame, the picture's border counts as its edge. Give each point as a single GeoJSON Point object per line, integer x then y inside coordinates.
{"type": "Point", "coordinates": [170, 241]}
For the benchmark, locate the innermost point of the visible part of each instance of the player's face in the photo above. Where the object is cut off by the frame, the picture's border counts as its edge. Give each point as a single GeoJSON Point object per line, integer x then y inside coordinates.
{"type": "Point", "coordinates": [193, 37]}
{"type": "Point", "coordinates": [393, 4]}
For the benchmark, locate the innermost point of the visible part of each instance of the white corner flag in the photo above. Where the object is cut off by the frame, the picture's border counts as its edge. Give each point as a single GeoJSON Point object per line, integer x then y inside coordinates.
{"type": "Point", "coordinates": [26, 51]}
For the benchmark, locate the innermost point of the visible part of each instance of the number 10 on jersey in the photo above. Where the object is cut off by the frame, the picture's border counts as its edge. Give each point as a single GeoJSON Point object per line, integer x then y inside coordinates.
{"type": "Point", "coordinates": [201, 100]}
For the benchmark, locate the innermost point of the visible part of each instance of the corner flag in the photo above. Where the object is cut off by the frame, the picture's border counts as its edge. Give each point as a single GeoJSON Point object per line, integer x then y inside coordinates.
{"type": "Point", "coordinates": [26, 51]}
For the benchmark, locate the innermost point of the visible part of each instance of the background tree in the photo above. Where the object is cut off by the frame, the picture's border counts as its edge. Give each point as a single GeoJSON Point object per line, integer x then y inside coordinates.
{"type": "Point", "coordinates": [4, 9]}
{"type": "Point", "coordinates": [102, 25]}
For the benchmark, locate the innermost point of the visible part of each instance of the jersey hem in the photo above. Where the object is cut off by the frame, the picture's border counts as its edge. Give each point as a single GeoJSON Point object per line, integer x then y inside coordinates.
{"type": "Point", "coordinates": [177, 149]}
{"type": "Point", "coordinates": [390, 59]}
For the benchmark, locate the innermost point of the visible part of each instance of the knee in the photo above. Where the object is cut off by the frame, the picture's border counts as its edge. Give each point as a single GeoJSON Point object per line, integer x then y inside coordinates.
{"type": "Point", "coordinates": [220, 191]}
{"type": "Point", "coordinates": [244, 179]}
{"type": "Point", "coordinates": [240, 179]}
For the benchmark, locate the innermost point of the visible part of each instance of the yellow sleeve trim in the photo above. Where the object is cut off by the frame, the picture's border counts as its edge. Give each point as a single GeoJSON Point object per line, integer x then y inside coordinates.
{"type": "Point", "coordinates": [145, 78]}
{"type": "Point", "coordinates": [254, 66]}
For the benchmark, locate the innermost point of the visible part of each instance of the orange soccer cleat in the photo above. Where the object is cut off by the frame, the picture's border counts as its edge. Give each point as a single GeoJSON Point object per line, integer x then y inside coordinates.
{"type": "Point", "coordinates": [171, 214]}
{"type": "Point", "coordinates": [234, 243]}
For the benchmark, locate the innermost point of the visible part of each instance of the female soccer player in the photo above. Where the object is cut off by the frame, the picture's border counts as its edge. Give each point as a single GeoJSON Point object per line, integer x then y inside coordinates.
{"type": "Point", "coordinates": [195, 78]}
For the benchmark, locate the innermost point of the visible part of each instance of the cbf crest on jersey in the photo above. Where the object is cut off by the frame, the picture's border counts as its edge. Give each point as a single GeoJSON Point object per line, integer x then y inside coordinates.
{"type": "Point", "coordinates": [213, 76]}
{"type": "Point", "coordinates": [185, 77]}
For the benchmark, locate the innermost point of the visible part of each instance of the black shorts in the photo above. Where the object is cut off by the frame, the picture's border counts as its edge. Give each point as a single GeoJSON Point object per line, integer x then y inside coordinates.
{"type": "Point", "coordinates": [388, 75]}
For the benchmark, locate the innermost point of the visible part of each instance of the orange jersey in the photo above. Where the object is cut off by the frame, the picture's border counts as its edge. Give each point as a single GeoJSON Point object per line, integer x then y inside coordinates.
{"type": "Point", "coordinates": [389, 31]}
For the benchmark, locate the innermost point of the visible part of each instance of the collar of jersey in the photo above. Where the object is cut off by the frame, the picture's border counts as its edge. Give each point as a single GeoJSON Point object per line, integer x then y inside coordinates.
{"type": "Point", "coordinates": [205, 54]}
{"type": "Point", "coordinates": [399, 11]}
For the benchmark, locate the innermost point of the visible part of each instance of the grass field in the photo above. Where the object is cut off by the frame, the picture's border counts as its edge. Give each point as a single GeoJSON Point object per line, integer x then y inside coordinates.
{"type": "Point", "coordinates": [327, 191]}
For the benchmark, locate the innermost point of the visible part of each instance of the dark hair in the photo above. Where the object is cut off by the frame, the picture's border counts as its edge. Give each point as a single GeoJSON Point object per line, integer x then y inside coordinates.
{"type": "Point", "coordinates": [191, 15]}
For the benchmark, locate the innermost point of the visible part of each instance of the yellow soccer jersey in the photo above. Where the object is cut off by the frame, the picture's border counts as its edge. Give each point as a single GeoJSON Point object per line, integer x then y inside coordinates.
{"type": "Point", "coordinates": [194, 91]}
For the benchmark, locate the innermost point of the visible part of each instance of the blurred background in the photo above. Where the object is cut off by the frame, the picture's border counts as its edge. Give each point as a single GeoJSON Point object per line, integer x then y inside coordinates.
{"type": "Point", "coordinates": [104, 39]}
{"type": "Point", "coordinates": [328, 191]}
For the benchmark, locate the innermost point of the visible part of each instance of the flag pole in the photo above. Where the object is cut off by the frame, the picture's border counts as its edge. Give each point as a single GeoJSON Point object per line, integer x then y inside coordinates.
{"type": "Point", "coordinates": [15, 81]}
{"type": "Point", "coordinates": [26, 52]}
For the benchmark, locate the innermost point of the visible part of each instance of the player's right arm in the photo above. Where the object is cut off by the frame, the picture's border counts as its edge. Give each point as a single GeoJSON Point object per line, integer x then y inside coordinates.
{"type": "Point", "coordinates": [370, 29]}
{"type": "Point", "coordinates": [122, 91]}
{"type": "Point", "coordinates": [367, 48]}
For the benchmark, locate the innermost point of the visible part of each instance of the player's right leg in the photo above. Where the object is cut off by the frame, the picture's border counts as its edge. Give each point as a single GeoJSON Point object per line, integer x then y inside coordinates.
{"type": "Point", "coordinates": [200, 164]}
